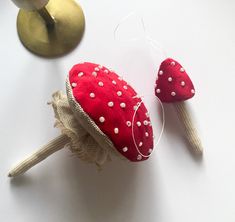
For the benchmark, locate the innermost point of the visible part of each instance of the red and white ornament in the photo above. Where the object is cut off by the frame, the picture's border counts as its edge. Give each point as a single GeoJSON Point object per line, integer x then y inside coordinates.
{"type": "Point", "coordinates": [173, 85]}
{"type": "Point", "coordinates": [102, 111]}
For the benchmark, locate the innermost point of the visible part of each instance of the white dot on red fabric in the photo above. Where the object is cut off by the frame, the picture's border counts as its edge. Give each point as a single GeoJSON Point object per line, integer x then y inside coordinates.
{"type": "Point", "coordinates": [139, 157]}
{"type": "Point", "coordinates": [158, 90]}
{"type": "Point", "coordinates": [100, 66]}
{"type": "Point", "coordinates": [124, 149]}
{"type": "Point", "coordinates": [150, 151]}
{"type": "Point", "coordinates": [182, 83]}
{"type": "Point", "coordinates": [170, 79]}
{"type": "Point", "coordinates": [120, 78]}
{"type": "Point", "coordinates": [160, 72]}
{"type": "Point", "coordinates": [182, 69]}
{"type": "Point", "coordinates": [97, 69]}
{"type": "Point", "coordinates": [147, 115]}
{"type": "Point", "coordinates": [173, 93]}
{"type": "Point", "coordinates": [114, 82]}
{"type": "Point", "coordinates": [100, 83]}
{"type": "Point", "coordinates": [110, 104]}
{"type": "Point", "coordinates": [119, 93]}
{"type": "Point", "coordinates": [92, 95]}
{"type": "Point", "coordinates": [94, 74]}
{"type": "Point", "coordinates": [122, 105]}
{"type": "Point", "coordinates": [80, 74]}
{"type": "Point", "coordinates": [146, 134]}
{"type": "Point", "coordinates": [125, 87]}
{"type": "Point", "coordinates": [140, 144]}
{"type": "Point", "coordinates": [101, 119]}
{"type": "Point", "coordinates": [106, 71]}
{"type": "Point", "coordinates": [128, 123]}
{"type": "Point", "coordinates": [135, 107]}
{"type": "Point", "coordinates": [146, 122]}
{"type": "Point", "coordinates": [116, 130]}
{"type": "Point", "coordinates": [192, 91]}
{"type": "Point", "coordinates": [172, 63]}
{"type": "Point", "coordinates": [138, 123]}
{"type": "Point", "coordinates": [74, 84]}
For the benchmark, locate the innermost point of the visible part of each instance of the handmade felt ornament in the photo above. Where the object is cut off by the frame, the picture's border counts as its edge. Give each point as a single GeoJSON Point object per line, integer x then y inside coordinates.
{"type": "Point", "coordinates": [100, 116]}
{"type": "Point", "coordinates": [173, 85]}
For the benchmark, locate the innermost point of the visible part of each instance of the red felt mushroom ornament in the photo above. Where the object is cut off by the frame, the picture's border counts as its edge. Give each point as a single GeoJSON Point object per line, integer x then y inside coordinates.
{"type": "Point", "coordinates": [97, 119]}
{"type": "Point", "coordinates": [173, 85]}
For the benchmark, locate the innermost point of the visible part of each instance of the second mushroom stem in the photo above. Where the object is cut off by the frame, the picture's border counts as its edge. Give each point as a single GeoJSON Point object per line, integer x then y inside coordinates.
{"type": "Point", "coordinates": [190, 130]}
{"type": "Point", "coordinates": [50, 148]}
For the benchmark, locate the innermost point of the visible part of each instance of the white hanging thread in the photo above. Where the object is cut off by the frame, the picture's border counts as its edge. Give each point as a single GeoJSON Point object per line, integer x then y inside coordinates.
{"type": "Point", "coordinates": [162, 130]}
{"type": "Point", "coordinates": [156, 47]}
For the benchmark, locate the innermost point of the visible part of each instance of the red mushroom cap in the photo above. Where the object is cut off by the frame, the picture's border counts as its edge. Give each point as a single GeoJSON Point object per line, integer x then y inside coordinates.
{"type": "Point", "coordinates": [109, 104]}
{"type": "Point", "coordinates": [173, 83]}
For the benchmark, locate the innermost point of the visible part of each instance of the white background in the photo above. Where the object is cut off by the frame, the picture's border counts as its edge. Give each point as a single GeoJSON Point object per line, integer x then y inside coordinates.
{"type": "Point", "coordinates": [173, 185]}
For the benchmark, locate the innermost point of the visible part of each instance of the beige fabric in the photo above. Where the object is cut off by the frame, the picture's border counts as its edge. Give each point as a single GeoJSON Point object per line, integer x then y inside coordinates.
{"type": "Point", "coordinates": [191, 132]}
{"type": "Point", "coordinates": [82, 142]}
{"type": "Point", "coordinates": [50, 148]}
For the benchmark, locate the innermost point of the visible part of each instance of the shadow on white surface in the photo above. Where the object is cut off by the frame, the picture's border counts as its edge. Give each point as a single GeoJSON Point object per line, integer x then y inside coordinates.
{"type": "Point", "coordinates": [76, 190]}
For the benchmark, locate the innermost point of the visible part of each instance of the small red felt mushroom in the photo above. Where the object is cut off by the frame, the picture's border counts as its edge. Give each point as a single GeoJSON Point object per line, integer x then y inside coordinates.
{"type": "Point", "coordinates": [97, 119]}
{"type": "Point", "coordinates": [173, 85]}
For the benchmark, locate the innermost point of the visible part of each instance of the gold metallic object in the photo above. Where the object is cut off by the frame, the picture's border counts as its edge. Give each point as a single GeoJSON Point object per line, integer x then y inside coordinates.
{"type": "Point", "coordinates": [52, 30]}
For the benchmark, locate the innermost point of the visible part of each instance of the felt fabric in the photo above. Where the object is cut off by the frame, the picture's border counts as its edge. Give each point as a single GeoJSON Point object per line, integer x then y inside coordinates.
{"type": "Point", "coordinates": [110, 103]}
{"type": "Point", "coordinates": [173, 83]}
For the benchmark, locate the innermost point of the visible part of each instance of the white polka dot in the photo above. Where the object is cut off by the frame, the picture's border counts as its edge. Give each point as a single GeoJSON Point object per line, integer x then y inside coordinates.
{"type": "Point", "coordinates": [92, 95]}
{"type": "Point", "coordinates": [192, 91]}
{"type": "Point", "coordinates": [128, 123]}
{"type": "Point", "coordinates": [147, 115]}
{"type": "Point", "coordinates": [172, 63]}
{"type": "Point", "coordinates": [101, 119]}
{"type": "Point", "coordinates": [100, 83]}
{"type": "Point", "coordinates": [110, 104]}
{"type": "Point", "coordinates": [94, 74]}
{"type": "Point", "coordinates": [74, 84]}
{"type": "Point", "coordinates": [150, 151]}
{"type": "Point", "coordinates": [80, 74]}
{"type": "Point", "coordinates": [140, 144]}
{"type": "Point", "coordinates": [182, 69]}
{"type": "Point", "coordinates": [106, 71]}
{"type": "Point", "coordinates": [158, 90]}
{"type": "Point", "coordinates": [138, 123]}
{"type": "Point", "coordinates": [124, 149]}
{"type": "Point", "coordinates": [122, 105]}
{"type": "Point", "coordinates": [170, 79]}
{"type": "Point", "coordinates": [139, 157]}
{"type": "Point", "coordinates": [120, 78]}
{"type": "Point", "coordinates": [114, 82]}
{"type": "Point", "coordinates": [135, 107]}
{"type": "Point", "coordinates": [160, 72]}
{"type": "Point", "coordinates": [146, 122]}
{"type": "Point", "coordinates": [116, 130]}
{"type": "Point", "coordinates": [182, 83]}
{"type": "Point", "coordinates": [125, 87]}
{"type": "Point", "coordinates": [100, 66]}
{"type": "Point", "coordinates": [173, 93]}
{"type": "Point", "coordinates": [119, 93]}
{"type": "Point", "coordinates": [97, 69]}
{"type": "Point", "coordinates": [146, 134]}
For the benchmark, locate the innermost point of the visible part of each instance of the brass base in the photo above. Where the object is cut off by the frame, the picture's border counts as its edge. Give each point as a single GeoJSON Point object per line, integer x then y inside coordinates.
{"type": "Point", "coordinates": [54, 41]}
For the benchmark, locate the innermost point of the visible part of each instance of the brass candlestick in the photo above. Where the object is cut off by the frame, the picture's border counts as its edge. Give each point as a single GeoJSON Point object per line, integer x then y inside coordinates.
{"type": "Point", "coordinates": [50, 28]}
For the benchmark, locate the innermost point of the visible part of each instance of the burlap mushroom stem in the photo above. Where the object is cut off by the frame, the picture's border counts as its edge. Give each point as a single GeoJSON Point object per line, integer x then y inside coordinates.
{"type": "Point", "coordinates": [73, 135]}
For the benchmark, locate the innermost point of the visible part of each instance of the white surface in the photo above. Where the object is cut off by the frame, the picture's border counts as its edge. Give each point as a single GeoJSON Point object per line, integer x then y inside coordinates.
{"type": "Point", "coordinates": [172, 186]}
